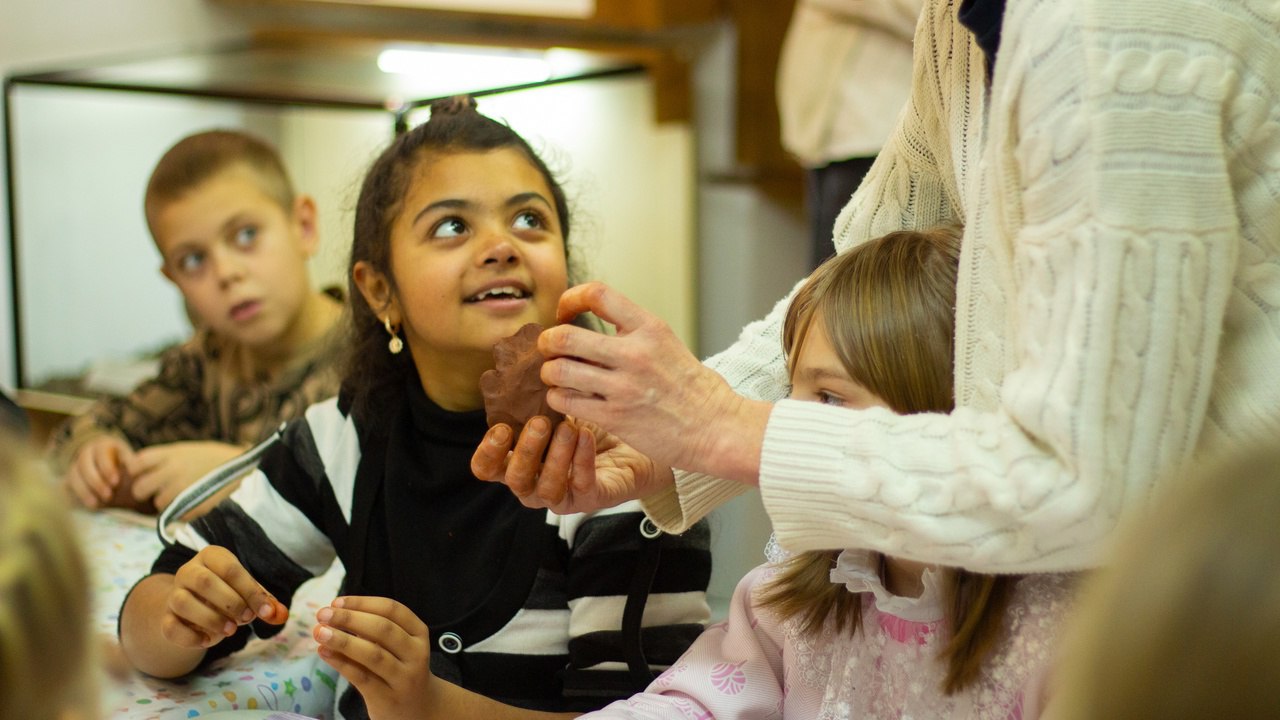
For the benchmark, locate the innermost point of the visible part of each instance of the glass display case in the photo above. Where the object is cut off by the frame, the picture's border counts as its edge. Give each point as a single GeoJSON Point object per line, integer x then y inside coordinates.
{"type": "Point", "coordinates": [87, 295]}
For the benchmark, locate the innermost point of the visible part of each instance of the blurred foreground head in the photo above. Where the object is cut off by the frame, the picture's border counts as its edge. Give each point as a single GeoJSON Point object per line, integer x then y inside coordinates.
{"type": "Point", "coordinates": [46, 656]}
{"type": "Point", "coordinates": [1184, 622]}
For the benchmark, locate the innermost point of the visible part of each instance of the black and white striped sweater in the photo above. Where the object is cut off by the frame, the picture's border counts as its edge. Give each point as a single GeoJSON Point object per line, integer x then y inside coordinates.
{"type": "Point", "coordinates": [525, 606]}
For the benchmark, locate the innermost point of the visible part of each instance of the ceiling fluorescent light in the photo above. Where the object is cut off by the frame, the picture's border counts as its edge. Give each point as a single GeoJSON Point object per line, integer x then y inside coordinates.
{"type": "Point", "coordinates": [467, 69]}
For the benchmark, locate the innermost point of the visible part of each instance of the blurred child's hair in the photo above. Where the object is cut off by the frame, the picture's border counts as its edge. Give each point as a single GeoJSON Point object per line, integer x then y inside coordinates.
{"type": "Point", "coordinates": [46, 651]}
{"type": "Point", "coordinates": [1183, 621]}
{"type": "Point", "coordinates": [888, 307]}
{"type": "Point", "coordinates": [197, 158]}
{"type": "Point", "coordinates": [454, 127]}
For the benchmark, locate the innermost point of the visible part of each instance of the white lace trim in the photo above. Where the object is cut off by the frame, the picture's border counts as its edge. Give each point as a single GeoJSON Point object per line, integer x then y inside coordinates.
{"type": "Point", "coordinates": [858, 571]}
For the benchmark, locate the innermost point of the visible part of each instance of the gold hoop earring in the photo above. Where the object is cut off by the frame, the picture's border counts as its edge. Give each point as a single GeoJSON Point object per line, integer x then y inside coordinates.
{"type": "Point", "coordinates": [395, 345]}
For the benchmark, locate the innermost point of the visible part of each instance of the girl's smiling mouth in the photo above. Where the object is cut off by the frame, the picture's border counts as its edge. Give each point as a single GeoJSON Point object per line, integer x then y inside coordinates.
{"type": "Point", "coordinates": [500, 293]}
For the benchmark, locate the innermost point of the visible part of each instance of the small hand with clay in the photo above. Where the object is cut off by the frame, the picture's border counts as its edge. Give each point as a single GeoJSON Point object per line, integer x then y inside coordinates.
{"type": "Point", "coordinates": [584, 468]}
{"type": "Point", "coordinates": [211, 596]}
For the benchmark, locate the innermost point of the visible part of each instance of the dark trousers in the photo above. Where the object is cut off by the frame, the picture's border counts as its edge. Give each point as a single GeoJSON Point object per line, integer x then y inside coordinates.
{"type": "Point", "coordinates": [828, 190]}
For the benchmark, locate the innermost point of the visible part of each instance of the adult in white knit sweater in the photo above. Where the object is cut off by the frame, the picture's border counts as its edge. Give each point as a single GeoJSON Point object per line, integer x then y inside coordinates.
{"type": "Point", "coordinates": [1117, 170]}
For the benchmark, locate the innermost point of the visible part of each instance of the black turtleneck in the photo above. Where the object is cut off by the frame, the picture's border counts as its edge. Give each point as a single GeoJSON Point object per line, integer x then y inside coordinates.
{"type": "Point", "coordinates": [450, 554]}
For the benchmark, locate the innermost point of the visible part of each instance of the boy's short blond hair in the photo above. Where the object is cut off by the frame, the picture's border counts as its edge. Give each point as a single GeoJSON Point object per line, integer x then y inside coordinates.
{"type": "Point", "coordinates": [46, 650]}
{"type": "Point", "coordinates": [196, 158]}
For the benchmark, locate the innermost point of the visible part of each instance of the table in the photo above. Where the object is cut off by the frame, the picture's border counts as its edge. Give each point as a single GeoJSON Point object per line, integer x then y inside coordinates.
{"type": "Point", "coordinates": [280, 673]}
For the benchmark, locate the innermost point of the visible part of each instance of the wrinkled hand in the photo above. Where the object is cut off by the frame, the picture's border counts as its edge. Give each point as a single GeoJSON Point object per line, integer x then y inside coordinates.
{"type": "Point", "coordinates": [213, 595]}
{"type": "Point", "coordinates": [160, 472]}
{"type": "Point", "coordinates": [585, 468]}
{"type": "Point", "coordinates": [96, 471]}
{"type": "Point", "coordinates": [644, 386]}
{"type": "Point", "coordinates": [383, 649]}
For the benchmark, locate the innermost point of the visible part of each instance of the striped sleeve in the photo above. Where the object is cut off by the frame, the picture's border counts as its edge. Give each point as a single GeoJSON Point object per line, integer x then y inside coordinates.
{"type": "Point", "coordinates": [607, 553]}
{"type": "Point", "coordinates": [273, 523]}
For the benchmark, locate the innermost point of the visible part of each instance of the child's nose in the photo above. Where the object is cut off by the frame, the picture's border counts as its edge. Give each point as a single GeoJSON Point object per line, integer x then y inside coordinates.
{"type": "Point", "coordinates": [500, 251]}
{"type": "Point", "coordinates": [227, 267]}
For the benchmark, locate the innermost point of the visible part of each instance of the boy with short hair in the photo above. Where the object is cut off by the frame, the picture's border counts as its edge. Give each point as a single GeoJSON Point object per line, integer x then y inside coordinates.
{"type": "Point", "coordinates": [235, 239]}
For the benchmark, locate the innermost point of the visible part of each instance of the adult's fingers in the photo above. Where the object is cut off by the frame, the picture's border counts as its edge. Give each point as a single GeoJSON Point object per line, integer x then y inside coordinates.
{"type": "Point", "coordinates": [489, 461]}
{"type": "Point", "coordinates": [105, 462]}
{"type": "Point", "coordinates": [610, 305]}
{"type": "Point", "coordinates": [525, 462]}
{"type": "Point", "coordinates": [148, 483]}
{"type": "Point", "coordinates": [98, 468]}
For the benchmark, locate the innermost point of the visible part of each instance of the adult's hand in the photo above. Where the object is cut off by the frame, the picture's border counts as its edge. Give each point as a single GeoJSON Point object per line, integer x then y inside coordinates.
{"type": "Point", "coordinates": [644, 386]}
{"type": "Point", "coordinates": [577, 468]}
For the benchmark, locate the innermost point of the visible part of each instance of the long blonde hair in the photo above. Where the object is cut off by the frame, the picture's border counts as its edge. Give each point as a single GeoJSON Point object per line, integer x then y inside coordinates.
{"type": "Point", "coordinates": [46, 652]}
{"type": "Point", "coordinates": [1183, 621]}
{"type": "Point", "coordinates": [889, 309]}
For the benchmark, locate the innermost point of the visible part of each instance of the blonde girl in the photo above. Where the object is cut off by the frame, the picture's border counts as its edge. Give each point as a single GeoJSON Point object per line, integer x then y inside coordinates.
{"type": "Point", "coordinates": [46, 648]}
{"type": "Point", "coordinates": [853, 633]}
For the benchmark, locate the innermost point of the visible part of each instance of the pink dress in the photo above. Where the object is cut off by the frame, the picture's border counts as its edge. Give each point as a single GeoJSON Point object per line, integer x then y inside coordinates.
{"type": "Point", "coordinates": [753, 666]}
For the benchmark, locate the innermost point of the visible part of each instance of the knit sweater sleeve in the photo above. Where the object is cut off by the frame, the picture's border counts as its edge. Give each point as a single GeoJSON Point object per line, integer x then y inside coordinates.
{"type": "Point", "coordinates": [909, 186]}
{"type": "Point", "coordinates": [1116, 269]}
{"type": "Point", "coordinates": [1090, 317]}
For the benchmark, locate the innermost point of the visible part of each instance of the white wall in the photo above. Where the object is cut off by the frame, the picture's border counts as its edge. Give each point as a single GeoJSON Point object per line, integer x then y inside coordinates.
{"type": "Point", "coordinates": [750, 253]}
{"type": "Point", "coordinates": [90, 287]}
{"type": "Point", "coordinates": [90, 274]}
{"type": "Point", "coordinates": [37, 33]}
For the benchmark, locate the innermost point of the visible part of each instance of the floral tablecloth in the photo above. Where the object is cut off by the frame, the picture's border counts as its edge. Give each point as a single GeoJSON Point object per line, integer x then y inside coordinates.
{"type": "Point", "coordinates": [280, 673]}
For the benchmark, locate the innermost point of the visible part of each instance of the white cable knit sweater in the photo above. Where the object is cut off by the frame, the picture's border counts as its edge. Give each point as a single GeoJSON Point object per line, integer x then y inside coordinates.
{"type": "Point", "coordinates": [1119, 298]}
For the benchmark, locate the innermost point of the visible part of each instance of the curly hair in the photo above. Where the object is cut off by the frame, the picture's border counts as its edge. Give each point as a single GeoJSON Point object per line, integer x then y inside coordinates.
{"type": "Point", "coordinates": [455, 126]}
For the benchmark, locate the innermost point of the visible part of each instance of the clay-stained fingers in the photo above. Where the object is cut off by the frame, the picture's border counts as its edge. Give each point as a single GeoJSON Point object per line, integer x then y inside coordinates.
{"type": "Point", "coordinates": [552, 485]}
{"type": "Point", "coordinates": [193, 622]}
{"type": "Point", "coordinates": [525, 462]}
{"type": "Point", "coordinates": [489, 462]}
{"type": "Point", "coordinates": [217, 579]}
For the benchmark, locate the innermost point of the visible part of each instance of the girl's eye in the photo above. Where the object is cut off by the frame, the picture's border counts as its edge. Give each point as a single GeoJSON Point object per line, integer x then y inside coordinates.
{"type": "Point", "coordinates": [529, 220]}
{"type": "Point", "coordinates": [190, 263]}
{"type": "Point", "coordinates": [449, 227]}
{"type": "Point", "coordinates": [827, 398]}
{"type": "Point", "coordinates": [246, 236]}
